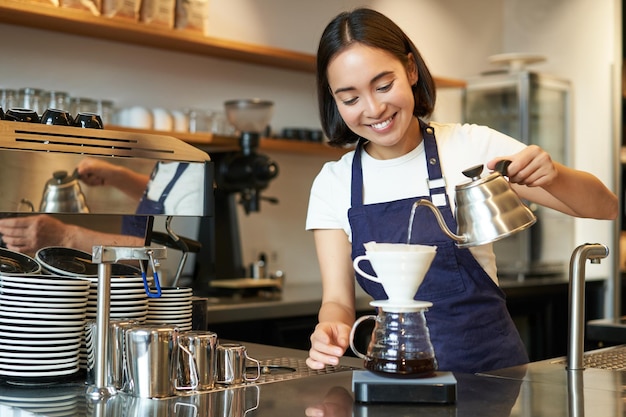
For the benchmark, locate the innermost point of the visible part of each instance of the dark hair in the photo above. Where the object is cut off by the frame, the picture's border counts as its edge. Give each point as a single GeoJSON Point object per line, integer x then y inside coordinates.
{"type": "Point", "coordinates": [373, 29]}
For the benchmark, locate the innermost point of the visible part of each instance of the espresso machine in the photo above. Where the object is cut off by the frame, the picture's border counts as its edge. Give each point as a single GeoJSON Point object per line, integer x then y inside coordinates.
{"type": "Point", "coordinates": [240, 178]}
{"type": "Point", "coordinates": [31, 151]}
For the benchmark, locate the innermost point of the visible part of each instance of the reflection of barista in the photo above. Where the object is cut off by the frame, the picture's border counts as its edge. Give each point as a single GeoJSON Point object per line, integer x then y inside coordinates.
{"type": "Point", "coordinates": [30, 233]}
{"type": "Point", "coordinates": [172, 188]}
{"type": "Point", "coordinates": [153, 201]}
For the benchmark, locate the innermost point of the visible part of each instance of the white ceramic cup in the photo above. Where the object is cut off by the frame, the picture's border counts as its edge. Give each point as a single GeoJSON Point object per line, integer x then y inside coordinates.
{"type": "Point", "coordinates": [136, 117]}
{"type": "Point", "coordinates": [162, 119]}
{"type": "Point", "coordinates": [181, 121]}
{"type": "Point", "coordinates": [399, 269]}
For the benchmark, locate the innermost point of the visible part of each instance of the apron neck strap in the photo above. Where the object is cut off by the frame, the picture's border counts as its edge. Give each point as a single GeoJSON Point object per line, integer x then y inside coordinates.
{"type": "Point", "coordinates": [436, 181]}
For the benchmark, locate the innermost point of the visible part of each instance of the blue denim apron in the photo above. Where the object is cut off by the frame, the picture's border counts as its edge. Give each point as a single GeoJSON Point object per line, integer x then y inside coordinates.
{"type": "Point", "coordinates": [470, 327]}
{"type": "Point", "coordinates": [136, 225]}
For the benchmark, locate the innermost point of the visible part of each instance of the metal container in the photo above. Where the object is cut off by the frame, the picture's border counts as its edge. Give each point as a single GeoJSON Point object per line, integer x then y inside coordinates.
{"type": "Point", "coordinates": [62, 194]}
{"type": "Point", "coordinates": [150, 355]}
{"type": "Point", "coordinates": [487, 209]}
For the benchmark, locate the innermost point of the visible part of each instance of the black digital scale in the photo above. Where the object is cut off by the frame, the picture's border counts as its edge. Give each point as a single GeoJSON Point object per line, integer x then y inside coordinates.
{"type": "Point", "coordinates": [369, 387]}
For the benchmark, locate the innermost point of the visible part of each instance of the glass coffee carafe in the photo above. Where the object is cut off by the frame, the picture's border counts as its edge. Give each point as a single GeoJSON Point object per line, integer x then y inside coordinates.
{"type": "Point", "coordinates": [400, 343]}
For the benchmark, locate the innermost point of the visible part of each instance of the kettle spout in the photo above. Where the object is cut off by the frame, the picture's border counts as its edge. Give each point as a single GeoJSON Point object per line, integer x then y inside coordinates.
{"type": "Point", "coordinates": [442, 224]}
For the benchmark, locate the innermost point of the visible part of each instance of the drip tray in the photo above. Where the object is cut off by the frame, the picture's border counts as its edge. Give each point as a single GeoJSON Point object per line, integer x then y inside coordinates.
{"type": "Point", "coordinates": [284, 369]}
{"type": "Point", "coordinates": [612, 359]}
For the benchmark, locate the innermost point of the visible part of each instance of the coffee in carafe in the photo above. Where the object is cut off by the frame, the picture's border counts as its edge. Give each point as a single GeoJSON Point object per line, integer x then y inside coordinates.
{"type": "Point", "coordinates": [400, 344]}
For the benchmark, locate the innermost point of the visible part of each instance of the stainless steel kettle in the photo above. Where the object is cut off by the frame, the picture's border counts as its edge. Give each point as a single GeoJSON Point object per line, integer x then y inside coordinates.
{"type": "Point", "coordinates": [62, 194]}
{"type": "Point", "coordinates": [487, 209]}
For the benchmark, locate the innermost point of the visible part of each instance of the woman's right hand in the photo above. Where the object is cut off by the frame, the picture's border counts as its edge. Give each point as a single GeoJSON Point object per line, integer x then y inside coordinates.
{"type": "Point", "coordinates": [96, 172]}
{"type": "Point", "coordinates": [329, 341]}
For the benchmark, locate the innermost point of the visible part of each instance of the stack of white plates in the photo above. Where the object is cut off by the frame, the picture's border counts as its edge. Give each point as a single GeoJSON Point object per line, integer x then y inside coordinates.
{"type": "Point", "coordinates": [173, 307]}
{"type": "Point", "coordinates": [128, 298]}
{"type": "Point", "coordinates": [76, 263]}
{"type": "Point", "coordinates": [41, 324]}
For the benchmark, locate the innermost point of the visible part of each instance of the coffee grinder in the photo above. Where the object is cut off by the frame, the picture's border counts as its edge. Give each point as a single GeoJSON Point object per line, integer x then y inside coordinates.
{"type": "Point", "coordinates": [240, 177]}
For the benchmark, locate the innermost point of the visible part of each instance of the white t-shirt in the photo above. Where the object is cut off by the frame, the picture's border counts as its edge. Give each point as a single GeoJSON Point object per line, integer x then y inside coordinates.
{"type": "Point", "coordinates": [186, 196]}
{"type": "Point", "coordinates": [459, 146]}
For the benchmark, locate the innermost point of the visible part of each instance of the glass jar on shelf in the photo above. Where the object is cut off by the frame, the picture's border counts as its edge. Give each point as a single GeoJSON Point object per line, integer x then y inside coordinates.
{"type": "Point", "coordinates": [59, 100]}
{"type": "Point", "coordinates": [32, 99]}
{"type": "Point", "coordinates": [83, 105]}
{"type": "Point", "coordinates": [106, 110]}
{"type": "Point", "coordinates": [8, 98]}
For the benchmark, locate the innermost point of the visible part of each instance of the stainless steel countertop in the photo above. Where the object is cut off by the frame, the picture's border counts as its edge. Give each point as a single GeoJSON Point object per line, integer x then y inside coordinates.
{"type": "Point", "coordinates": [541, 389]}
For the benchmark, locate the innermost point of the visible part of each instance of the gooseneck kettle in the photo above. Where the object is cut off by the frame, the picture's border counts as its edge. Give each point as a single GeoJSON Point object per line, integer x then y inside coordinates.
{"type": "Point", "coordinates": [62, 194]}
{"type": "Point", "coordinates": [487, 208]}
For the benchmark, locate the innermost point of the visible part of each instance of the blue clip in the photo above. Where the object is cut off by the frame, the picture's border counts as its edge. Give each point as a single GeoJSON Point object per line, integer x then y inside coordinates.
{"type": "Point", "coordinates": [144, 276]}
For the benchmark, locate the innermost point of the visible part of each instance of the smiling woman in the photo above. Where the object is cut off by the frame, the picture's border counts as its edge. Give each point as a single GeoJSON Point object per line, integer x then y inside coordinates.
{"type": "Point", "coordinates": [374, 89]}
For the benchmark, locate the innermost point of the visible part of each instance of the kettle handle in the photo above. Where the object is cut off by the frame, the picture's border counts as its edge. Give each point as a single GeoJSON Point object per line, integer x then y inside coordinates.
{"type": "Point", "coordinates": [502, 166]}
{"type": "Point", "coordinates": [475, 171]}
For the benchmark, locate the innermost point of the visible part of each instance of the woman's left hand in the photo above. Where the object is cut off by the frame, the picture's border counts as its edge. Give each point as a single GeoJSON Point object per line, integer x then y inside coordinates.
{"type": "Point", "coordinates": [532, 167]}
{"type": "Point", "coordinates": [537, 178]}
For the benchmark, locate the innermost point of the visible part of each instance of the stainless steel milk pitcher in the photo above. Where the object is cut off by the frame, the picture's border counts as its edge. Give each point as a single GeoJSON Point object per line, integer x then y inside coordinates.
{"type": "Point", "coordinates": [153, 362]}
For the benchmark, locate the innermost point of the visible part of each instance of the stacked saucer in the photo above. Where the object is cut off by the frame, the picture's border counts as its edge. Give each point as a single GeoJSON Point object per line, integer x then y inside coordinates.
{"type": "Point", "coordinates": [173, 307]}
{"type": "Point", "coordinates": [41, 324]}
{"type": "Point", "coordinates": [76, 263]}
{"type": "Point", "coordinates": [128, 299]}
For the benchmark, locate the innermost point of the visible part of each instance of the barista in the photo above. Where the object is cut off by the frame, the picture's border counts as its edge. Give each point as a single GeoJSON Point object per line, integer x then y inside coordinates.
{"type": "Point", "coordinates": [375, 90]}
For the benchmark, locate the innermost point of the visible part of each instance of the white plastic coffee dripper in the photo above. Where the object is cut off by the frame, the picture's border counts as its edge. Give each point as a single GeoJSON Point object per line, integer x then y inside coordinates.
{"type": "Point", "coordinates": [400, 268]}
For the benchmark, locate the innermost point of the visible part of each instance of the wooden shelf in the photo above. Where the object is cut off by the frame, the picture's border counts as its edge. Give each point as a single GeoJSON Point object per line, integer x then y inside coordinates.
{"type": "Point", "coordinates": [213, 143]}
{"type": "Point", "coordinates": [84, 23]}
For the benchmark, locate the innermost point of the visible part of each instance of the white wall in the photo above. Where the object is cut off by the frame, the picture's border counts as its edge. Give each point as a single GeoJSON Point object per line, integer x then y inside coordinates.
{"type": "Point", "coordinates": [455, 37]}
